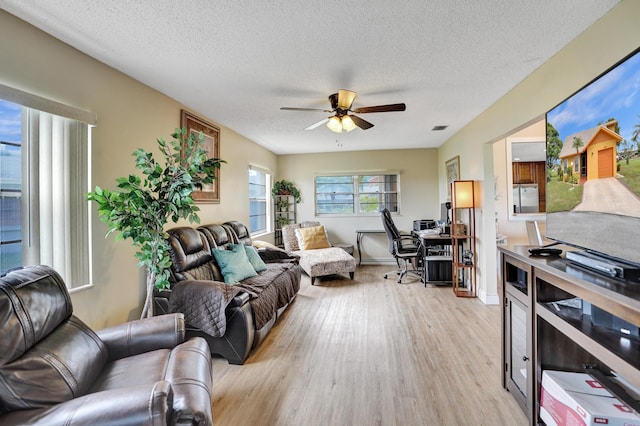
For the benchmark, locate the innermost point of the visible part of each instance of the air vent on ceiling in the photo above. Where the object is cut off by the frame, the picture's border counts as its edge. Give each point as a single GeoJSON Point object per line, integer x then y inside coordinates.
{"type": "Point", "coordinates": [441, 127]}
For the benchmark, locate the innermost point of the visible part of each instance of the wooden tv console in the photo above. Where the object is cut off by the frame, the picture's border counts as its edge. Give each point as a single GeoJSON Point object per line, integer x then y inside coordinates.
{"type": "Point", "coordinates": [547, 308]}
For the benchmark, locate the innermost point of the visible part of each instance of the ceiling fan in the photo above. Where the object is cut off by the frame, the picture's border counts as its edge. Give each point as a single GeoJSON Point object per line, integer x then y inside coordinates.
{"type": "Point", "coordinates": [342, 120]}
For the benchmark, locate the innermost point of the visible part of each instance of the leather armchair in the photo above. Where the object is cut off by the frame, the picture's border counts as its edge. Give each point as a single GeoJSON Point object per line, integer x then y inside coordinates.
{"type": "Point", "coordinates": [55, 370]}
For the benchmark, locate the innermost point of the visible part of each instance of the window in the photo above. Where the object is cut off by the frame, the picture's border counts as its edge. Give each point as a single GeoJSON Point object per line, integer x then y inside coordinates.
{"type": "Point", "coordinates": [357, 195]}
{"type": "Point", "coordinates": [10, 187]}
{"type": "Point", "coordinates": [259, 184]}
{"type": "Point", "coordinates": [44, 179]}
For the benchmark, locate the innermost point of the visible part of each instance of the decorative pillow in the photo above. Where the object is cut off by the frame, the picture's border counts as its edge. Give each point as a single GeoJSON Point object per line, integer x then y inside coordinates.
{"type": "Point", "coordinates": [311, 238]}
{"type": "Point", "coordinates": [234, 264]}
{"type": "Point", "coordinates": [289, 237]}
{"type": "Point", "coordinates": [254, 258]}
{"type": "Point", "coordinates": [262, 244]}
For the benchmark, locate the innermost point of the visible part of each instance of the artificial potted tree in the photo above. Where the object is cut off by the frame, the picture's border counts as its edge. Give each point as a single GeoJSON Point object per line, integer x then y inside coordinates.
{"type": "Point", "coordinates": [142, 206]}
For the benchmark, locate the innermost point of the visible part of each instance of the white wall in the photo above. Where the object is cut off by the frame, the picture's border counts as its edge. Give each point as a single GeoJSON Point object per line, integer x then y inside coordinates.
{"type": "Point", "coordinates": [603, 44]}
{"type": "Point", "coordinates": [130, 115]}
{"type": "Point", "coordinates": [418, 170]}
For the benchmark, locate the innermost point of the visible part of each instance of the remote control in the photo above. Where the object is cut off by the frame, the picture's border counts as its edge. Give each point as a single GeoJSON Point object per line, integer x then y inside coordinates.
{"type": "Point", "coordinates": [545, 251]}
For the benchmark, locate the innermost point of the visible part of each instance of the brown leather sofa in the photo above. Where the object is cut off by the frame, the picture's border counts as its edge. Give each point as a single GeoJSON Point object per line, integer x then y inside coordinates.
{"type": "Point", "coordinates": [54, 370]}
{"type": "Point", "coordinates": [234, 319]}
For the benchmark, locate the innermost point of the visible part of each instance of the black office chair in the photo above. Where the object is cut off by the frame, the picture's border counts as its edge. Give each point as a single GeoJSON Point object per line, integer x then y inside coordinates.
{"type": "Point", "coordinates": [403, 247]}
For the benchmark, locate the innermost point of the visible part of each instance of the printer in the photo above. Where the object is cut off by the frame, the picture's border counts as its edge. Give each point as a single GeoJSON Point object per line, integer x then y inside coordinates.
{"type": "Point", "coordinates": [420, 224]}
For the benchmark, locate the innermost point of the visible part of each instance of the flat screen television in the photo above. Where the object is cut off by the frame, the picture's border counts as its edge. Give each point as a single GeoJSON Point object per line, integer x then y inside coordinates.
{"type": "Point", "coordinates": [593, 165]}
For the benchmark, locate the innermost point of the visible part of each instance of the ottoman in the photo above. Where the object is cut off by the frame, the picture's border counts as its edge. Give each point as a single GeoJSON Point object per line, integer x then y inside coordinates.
{"type": "Point", "coordinates": [326, 261]}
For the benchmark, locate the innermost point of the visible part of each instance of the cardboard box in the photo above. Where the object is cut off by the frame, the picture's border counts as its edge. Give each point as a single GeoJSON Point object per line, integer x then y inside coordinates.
{"type": "Point", "coordinates": [572, 399]}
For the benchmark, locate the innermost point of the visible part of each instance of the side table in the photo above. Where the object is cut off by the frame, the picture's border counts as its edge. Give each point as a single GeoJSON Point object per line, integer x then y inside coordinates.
{"type": "Point", "coordinates": [359, 234]}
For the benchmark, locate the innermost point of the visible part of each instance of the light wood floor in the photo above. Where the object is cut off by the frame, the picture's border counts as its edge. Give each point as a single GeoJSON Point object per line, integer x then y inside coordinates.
{"type": "Point", "coordinates": [371, 352]}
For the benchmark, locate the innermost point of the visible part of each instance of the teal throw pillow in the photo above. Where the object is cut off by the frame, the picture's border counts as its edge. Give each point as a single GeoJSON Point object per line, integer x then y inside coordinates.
{"type": "Point", "coordinates": [234, 264]}
{"type": "Point", "coordinates": [254, 258]}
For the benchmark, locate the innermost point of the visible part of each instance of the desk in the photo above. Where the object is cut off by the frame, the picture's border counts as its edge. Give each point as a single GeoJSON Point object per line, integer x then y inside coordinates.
{"type": "Point", "coordinates": [360, 233]}
{"type": "Point", "coordinates": [436, 263]}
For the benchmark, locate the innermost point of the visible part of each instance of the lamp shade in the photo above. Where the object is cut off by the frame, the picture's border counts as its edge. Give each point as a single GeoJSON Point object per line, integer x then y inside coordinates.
{"type": "Point", "coordinates": [348, 124]}
{"type": "Point", "coordinates": [334, 124]}
{"type": "Point", "coordinates": [462, 193]}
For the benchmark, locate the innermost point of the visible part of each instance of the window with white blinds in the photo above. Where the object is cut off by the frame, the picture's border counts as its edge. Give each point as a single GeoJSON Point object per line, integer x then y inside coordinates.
{"type": "Point", "coordinates": [51, 182]}
{"type": "Point", "coordinates": [55, 183]}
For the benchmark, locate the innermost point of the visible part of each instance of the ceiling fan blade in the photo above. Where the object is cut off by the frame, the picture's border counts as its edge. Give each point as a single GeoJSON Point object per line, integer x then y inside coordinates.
{"type": "Point", "coordinates": [363, 124]}
{"type": "Point", "coordinates": [345, 99]}
{"type": "Point", "coordinates": [381, 108]}
{"type": "Point", "coordinates": [304, 109]}
{"type": "Point", "coordinates": [318, 124]}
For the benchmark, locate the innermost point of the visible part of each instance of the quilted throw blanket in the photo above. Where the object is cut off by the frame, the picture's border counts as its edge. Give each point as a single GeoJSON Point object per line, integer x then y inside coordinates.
{"type": "Point", "coordinates": [263, 295]}
{"type": "Point", "coordinates": [203, 304]}
{"type": "Point", "coordinates": [271, 290]}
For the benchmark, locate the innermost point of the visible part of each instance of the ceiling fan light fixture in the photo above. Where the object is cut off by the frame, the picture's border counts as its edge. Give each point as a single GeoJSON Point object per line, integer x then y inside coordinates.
{"type": "Point", "coordinates": [334, 124]}
{"type": "Point", "coordinates": [348, 124]}
{"type": "Point", "coordinates": [342, 121]}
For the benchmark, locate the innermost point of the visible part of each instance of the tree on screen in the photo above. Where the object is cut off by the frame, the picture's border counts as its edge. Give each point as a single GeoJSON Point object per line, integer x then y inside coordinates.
{"type": "Point", "coordinates": [554, 145]}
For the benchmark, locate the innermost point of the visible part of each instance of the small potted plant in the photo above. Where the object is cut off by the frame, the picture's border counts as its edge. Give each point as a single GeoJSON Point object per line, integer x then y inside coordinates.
{"type": "Point", "coordinates": [282, 204]}
{"type": "Point", "coordinates": [281, 221]}
{"type": "Point", "coordinates": [285, 187]}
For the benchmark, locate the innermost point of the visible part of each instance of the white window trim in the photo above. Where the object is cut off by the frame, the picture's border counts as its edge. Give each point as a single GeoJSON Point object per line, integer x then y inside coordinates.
{"type": "Point", "coordinates": [268, 203]}
{"type": "Point", "coordinates": [29, 100]}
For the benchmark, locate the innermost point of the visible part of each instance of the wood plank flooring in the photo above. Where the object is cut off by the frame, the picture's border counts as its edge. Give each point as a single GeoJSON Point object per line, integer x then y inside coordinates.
{"type": "Point", "coordinates": [371, 352]}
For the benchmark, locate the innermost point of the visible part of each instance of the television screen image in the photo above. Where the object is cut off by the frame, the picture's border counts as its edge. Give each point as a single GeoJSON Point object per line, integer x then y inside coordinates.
{"type": "Point", "coordinates": [593, 165]}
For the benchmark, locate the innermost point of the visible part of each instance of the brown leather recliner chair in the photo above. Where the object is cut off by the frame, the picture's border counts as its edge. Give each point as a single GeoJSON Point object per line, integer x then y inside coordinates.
{"type": "Point", "coordinates": [55, 370]}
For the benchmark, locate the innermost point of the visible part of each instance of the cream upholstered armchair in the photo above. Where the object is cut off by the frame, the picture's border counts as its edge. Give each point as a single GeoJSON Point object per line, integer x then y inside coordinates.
{"type": "Point", "coordinates": [290, 238]}
{"type": "Point", "coordinates": [318, 257]}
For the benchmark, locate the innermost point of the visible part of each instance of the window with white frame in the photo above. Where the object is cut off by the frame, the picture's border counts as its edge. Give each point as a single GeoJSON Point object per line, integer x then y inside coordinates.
{"type": "Point", "coordinates": [10, 186]}
{"type": "Point", "coordinates": [45, 213]}
{"type": "Point", "coordinates": [356, 194]}
{"type": "Point", "coordinates": [259, 184]}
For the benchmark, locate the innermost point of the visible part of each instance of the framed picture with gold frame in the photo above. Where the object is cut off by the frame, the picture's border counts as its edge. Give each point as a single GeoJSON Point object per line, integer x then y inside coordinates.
{"type": "Point", "coordinates": [209, 193]}
{"type": "Point", "coordinates": [452, 168]}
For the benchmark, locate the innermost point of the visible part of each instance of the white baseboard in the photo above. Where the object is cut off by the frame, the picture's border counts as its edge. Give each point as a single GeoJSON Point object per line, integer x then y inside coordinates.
{"type": "Point", "coordinates": [378, 262]}
{"type": "Point", "coordinates": [488, 299]}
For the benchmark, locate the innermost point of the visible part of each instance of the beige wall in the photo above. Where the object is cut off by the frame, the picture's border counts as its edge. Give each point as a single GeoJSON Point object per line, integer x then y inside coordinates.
{"type": "Point", "coordinates": [587, 56]}
{"type": "Point", "coordinates": [418, 170]}
{"type": "Point", "coordinates": [130, 116]}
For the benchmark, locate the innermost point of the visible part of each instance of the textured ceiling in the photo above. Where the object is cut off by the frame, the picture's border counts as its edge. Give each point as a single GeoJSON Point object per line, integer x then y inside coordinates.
{"type": "Point", "coordinates": [238, 62]}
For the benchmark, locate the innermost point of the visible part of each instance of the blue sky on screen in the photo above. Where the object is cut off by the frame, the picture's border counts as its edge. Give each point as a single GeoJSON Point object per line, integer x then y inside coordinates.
{"type": "Point", "coordinates": [616, 94]}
